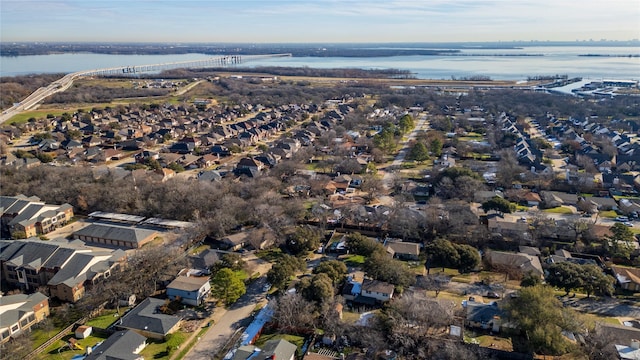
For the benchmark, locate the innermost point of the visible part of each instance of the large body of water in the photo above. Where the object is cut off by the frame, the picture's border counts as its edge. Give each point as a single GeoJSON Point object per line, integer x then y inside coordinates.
{"type": "Point", "coordinates": [498, 64]}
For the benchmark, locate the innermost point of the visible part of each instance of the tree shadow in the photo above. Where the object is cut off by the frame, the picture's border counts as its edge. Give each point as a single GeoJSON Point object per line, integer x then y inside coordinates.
{"type": "Point", "coordinates": [161, 355]}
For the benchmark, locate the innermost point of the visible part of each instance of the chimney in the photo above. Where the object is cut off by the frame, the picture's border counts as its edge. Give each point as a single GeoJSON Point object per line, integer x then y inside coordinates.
{"type": "Point", "coordinates": [496, 324]}
{"type": "Point", "coordinates": [635, 344]}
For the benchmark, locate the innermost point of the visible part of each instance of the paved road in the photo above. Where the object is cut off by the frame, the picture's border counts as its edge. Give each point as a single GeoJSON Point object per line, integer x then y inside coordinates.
{"type": "Point", "coordinates": [236, 317]}
{"type": "Point", "coordinates": [387, 179]}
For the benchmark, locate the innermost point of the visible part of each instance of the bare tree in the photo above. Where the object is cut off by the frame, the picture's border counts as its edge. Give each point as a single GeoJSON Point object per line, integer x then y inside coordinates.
{"type": "Point", "coordinates": [294, 312]}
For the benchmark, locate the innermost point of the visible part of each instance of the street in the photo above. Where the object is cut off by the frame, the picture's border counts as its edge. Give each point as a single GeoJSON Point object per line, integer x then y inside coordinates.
{"type": "Point", "coordinates": [236, 317]}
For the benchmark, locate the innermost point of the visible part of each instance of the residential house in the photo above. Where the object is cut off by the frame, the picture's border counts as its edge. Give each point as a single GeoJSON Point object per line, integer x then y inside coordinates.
{"type": "Point", "coordinates": [272, 349]}
{"type": "Point", "coordinates": [148, 320]}
{"type": "Point", "coordinates": [209, 176]}
{"type": "Point", "coordinates": [233, 242]}
{"type": "Point", "coordinates": [483, 316]}
{"type": "Point", "coordinates": [351, 289]}
{"type": "Point", "coordinates": [403, 250]}
{"type": "Point", "coordinates": [553, 199]}
{"type": "Point", "coordinates": [379, 290]}
{"type": "Point", "coordinates": [519, 262]}
{"type": "Point", "coordinates": [628, 277]}
{"type": "Point", "coordinates": [508, 227]}
{"type": "Point", "coordinates": [482, 196]}
{"type": "Point", "coordinates": [115, 235]}
{"type": "Point", "coordinates": [626, 163]}
{"type": "Point", "coordinates": [629, 206]}
{"type": "Point", "coordinates": [192, 290]}
{"type": "Point", "coordinates": [204, 260]}
{"type": "Point", "coordinates": [18, 313]}
{"type": "Point", "coordinates": [248, 166]}
{"type": "Point", "coordinates": [121, 345]}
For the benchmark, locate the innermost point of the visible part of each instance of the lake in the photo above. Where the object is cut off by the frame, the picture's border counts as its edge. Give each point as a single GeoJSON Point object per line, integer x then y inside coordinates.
{"type": "Point", "coordinates": [498, 64]}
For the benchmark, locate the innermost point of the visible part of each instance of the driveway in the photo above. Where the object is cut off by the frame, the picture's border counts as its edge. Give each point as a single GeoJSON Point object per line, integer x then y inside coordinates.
{"type": "Point", "coordinates": [236, 317]}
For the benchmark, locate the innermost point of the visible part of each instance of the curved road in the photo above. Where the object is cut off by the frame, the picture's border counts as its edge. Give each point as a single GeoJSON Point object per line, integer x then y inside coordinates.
{"type": "Point", "coordinates": [66, 81]}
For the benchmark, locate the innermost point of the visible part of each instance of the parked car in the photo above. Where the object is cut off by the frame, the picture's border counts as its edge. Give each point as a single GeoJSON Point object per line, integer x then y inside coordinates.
{"type": "Point", "coordinates": [622, 218]}
{"type": "Point", "coordinates": [627, 223]}
{"type": "Point", "coordinates": [266, 287]}
{"type": "Point", "coordinates": [493, 295]}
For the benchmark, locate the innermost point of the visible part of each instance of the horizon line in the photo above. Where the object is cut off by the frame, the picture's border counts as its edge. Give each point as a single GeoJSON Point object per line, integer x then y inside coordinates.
{"type": "Point", "coordinates": [311, 43]}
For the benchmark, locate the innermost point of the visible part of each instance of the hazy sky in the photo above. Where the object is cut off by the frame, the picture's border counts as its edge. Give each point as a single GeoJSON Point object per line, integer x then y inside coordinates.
{"type": "Point", "coordinates": [318, 20]}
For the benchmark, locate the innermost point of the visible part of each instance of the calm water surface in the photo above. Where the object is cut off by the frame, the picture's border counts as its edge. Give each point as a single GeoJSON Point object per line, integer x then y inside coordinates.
{"type": "Point", "coordinates": [498, 64]}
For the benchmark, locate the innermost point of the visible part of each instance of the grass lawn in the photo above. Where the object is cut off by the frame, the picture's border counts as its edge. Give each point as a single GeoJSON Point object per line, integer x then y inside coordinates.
{"type": "Point", "coordinates": [350, 317]}
{"type": "Point", "coordinates": [417, 267]}
{"type": "Point", "coordinates": [106, 318]}
{"type": "Point", "coordinates": [608, 214]}
{"type": "Point", "coordinates": [270, 255]}
{"type": "Point", "coordinates": [446, 295]}
{"type": "Point", "coordinates": [38, 114]}
{"type": "Point", "coordinates": [354, 260]}
{"type": "Point", "coordinates": [559, 210]}
{"type": "Point", "coordinates": [592, 318]}
{"type": "Point", "coordinates": [494, 342]}
{"type": "Point", "coordinates": [157, 349]}
{"type": "Point", "coordinates": [60, 351]}
{"type": "Point", "coordinates": [294, 339]}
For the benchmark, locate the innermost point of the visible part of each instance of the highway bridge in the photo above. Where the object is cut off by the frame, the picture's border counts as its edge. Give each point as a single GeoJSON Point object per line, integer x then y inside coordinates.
{"type": "Point", "coordinates": [65, 82]}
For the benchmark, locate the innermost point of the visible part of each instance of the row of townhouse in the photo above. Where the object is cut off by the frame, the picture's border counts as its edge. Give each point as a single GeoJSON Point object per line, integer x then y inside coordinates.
{"type": "Point", "coordinates": [66, 268]}
{"type": "Point", "coordinates": [28, 216]}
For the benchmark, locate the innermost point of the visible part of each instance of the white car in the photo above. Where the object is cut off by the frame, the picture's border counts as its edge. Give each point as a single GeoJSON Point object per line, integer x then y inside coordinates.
{"type": "Point", "coordinates": [266, 287]}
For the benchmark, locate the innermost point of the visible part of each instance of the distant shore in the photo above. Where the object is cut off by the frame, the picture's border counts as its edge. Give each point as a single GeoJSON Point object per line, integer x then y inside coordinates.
{"type": "Point", "coordinates": [298, 50]}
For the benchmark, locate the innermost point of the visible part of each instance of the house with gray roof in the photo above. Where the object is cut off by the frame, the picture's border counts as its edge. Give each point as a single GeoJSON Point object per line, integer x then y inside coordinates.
{"type": "Point", "coordinates": [83, 270]}
{"type": "Point", "coordinates": [272, 349]}
{"type": "Point", "coordinates": [23, 216]}
{"type": "Point", "coordinates": [483, 316]}
{"type": "Point", "coordinates": [65, 267]}
{"type": "Point", "coordinates": [18, 313]}
{"type": "Point", "coordinates": [129, 237]}
{"type": "Point", "coordinates": [191, 290]}
{"type": "Point", "coordinates": [148, 320]}
{"type": "Point", "coordinates": [121, 345]}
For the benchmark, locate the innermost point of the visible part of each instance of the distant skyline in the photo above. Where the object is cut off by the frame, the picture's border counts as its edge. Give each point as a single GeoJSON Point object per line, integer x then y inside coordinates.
{"type": "Point", "coordinates": [319, 21]}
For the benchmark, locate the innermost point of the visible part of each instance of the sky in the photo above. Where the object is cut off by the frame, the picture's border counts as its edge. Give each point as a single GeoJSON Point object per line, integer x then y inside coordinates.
{"type": "Point", "coordinates": [318, 21]}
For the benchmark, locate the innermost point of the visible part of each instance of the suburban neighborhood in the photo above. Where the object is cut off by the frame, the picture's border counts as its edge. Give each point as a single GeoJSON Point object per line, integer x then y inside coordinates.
{"type": "Point", "coordinates": [375, 223]}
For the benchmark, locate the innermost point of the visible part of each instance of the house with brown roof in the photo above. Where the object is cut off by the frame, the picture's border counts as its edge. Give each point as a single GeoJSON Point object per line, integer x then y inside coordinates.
{"type": "Point", "coordinates": [519, 262]}
{"type": "Point", "coordinates": [379, 290]}
{"type": "Point", "coordinates": [628, 277]}
{"type": "Point", "coordinates": [403, 250]}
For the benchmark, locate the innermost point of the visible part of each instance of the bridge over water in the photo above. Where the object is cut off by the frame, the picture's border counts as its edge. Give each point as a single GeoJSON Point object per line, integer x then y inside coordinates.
{"type": "Point", "coordinates": [216, 61]}
{"type": "Point", "coordinates": [65, 82]}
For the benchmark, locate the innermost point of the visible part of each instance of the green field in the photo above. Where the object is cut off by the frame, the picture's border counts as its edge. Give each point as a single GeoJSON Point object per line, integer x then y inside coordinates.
{"type": "Point", "coordinates": [560, 210]}
{"type": "Point", "coordinates": [38, 114]}
{"type": "Point", "coordinates": [354, 260]}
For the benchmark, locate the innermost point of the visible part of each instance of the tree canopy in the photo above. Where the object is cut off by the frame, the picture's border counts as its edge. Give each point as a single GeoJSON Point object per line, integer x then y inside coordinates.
{"type": "Point", "coordinates": [619, 243]}
{"type": "Point", "coordinates": [418, 152]}
{"type": "Point", "coordinates": [227, 286]}
{"type": "Point", "coordinates": [334, 269]}
{"type": "Point", "coordinates": [542, 318]}
{"type": "Point", "coordinates": [498, 204]}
